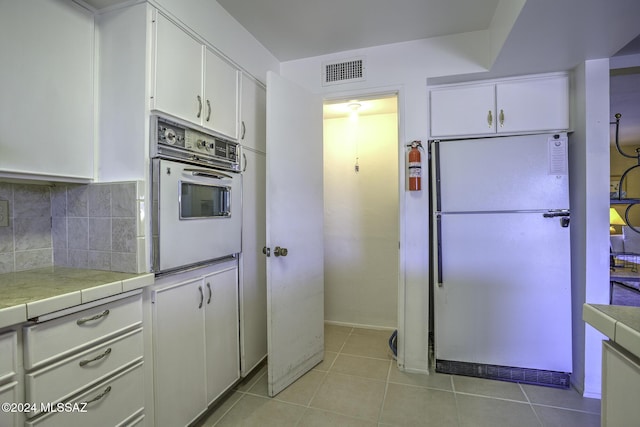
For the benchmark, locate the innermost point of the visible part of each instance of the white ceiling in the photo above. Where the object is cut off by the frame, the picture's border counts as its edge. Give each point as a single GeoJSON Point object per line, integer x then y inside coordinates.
{"type": "Point", "coordinates": [294, 29]}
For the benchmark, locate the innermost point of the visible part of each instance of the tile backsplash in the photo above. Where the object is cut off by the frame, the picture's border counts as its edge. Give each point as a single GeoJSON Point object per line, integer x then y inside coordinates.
{"type": "Point", "coordinates": [97, 226]}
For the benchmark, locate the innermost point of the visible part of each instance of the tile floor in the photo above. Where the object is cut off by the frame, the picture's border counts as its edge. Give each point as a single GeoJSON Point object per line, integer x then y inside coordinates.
{"type": "Point", "coordinates": [358, 384]}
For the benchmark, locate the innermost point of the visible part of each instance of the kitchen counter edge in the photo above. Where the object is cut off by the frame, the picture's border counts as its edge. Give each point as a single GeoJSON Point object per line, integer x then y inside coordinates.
{"type": "Point", "coordinates": [29, 294]}
{"type": "Point", "coordinates": [620, 324]}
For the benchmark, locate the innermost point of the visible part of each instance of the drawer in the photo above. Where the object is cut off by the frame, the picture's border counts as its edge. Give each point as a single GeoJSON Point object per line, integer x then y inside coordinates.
{"type": "Point", "coordinates": [47, 341]}
{"type": "Point", "coordinates": [9, 394]}
{"type": "Point", "coordinates": [65, 378]}
{"type": "Point", "coordinates": [8, 355]}
{"type": "Point", "coordinates": [111, 403]}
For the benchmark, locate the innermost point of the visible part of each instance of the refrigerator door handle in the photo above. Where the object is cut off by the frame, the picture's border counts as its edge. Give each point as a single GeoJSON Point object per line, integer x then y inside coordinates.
{"type": "Point", "coordinates": [564, 215]}
{"type": "Point", "coordinates": [439, 244]}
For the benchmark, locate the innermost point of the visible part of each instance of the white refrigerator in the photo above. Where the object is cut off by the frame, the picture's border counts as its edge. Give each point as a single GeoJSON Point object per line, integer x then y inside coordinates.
{"type": "Point", "coordinates": [502, 282]}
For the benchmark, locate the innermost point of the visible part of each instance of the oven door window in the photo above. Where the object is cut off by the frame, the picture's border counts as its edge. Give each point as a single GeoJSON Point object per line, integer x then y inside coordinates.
{"type": "Point", "coordinates": [204, 201]}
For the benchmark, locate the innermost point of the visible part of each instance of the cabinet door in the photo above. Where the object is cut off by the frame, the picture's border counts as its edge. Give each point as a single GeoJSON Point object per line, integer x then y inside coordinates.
{"type": "Point", "coordinates": [220, 96]}
{"type": "Point", "coordinates": [620, 386]}
{"type": "Point", "coordinates": [178, 72]}
{"type": "Point", "coordinates": [253, 275]}
{"type": "Point", "coordinates": [179, 353]}
{"type": "Point", "coordinates": [9, 394]}
{"type": "Point", "coordinates": [253, 115]}
{"type": "Point", "coordinates": [538, 104]}
{"type": "Point", "coordinates": [221, 329]}
{"type": "Point", "coordinates": [464, 110]}
{"type": "Point", "coordinates": [46, 87]}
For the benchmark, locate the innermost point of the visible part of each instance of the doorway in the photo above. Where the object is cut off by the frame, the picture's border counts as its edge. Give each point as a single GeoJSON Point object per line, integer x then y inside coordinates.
{"type": "Point", "coordinates": [361, 211]}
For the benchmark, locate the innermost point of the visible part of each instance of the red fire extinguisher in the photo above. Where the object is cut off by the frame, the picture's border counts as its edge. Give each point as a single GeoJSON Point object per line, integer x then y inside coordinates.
{"type": "Point", "coordinates": [415, 166]}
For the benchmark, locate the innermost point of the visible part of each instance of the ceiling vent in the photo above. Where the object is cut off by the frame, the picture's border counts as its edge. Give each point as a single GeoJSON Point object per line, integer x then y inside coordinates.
{"type": "Point", "coordinates": [349, 71]}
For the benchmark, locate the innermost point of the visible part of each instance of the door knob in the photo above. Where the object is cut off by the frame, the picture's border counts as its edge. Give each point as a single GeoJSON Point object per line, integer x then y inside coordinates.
{"type": "Point", "coordinates": [266, 251]}
{"type": "Point", "coordinates": [278, 251]}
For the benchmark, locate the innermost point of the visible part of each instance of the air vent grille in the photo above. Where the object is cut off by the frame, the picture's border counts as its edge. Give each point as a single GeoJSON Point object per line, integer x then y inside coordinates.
{"type": "Point", "coordinates": [344, 71]}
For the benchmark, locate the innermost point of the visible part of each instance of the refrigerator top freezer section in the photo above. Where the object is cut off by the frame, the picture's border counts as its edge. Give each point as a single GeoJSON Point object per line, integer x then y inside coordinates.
{"type": "Point", "coordinates": [520, 173]}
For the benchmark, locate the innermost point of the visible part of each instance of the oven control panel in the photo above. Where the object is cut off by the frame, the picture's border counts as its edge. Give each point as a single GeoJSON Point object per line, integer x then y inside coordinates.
{"type": "Point", "coordinates": [178, 142]}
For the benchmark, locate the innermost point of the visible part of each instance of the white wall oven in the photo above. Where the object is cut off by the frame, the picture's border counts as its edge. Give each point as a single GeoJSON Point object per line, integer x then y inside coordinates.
{"type": "Point", "coordinates": [196, 200]}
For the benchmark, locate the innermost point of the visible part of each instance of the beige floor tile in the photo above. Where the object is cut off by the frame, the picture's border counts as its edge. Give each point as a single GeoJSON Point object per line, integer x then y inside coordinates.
{"type": "Point", "coordinates": [557, 417]}
{"type": "Point", "coordinates": [302, 391]}
{"type": "Point", "coordinates": [349, 395]}
{"type": "Point", "coordinates": [480, 411]}
{"type": "Point", "coordinates": [329, 328]}
{"type": "Point", "coordinates": [329, 358]}
{"type": "Point", "coordinates": [368, 345]}
{"type": "Point", "coordinates": [251, 379]}
{"type": "Point", "coordinates": [334, 340]}
{"type": "Point", "coordinates": [255, 411]}
{"type": "Point", "coordinates": [489, 388]}
{"type": "Point", "coordinates": [431, 380]}
{"type": "Point", "coordinates": [569, 399]}
{"type": "Point", "coordinates": [376, 369]}
{"type": "Point", "coordinates": [406, 405]}
{"type": "Point", "coordinates": [320, 418]}
{"type": "Point", "coordinates": [219, 410]}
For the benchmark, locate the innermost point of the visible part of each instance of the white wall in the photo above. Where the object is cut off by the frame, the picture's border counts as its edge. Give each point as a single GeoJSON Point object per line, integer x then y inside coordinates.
{"type": "Point", "coordinates": [405, 67]}
{"type": "Point", "coordinates": [589, 189]}
{"type": "Point", "coordinates": [361, 220]}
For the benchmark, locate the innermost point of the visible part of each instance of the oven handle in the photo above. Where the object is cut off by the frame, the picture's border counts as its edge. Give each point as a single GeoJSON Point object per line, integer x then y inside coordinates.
{"type": "Point", "coordinates": [208, 174]}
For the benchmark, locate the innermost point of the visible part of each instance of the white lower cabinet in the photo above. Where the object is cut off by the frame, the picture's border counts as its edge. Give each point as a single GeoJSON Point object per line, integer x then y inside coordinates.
{"type": "Point", "coordinates": [620, 386]}
{"type": "Point", "coordinates": [85, 368]}
{"type": "Point", "coordinates": [9, 378]}
{"type": "Point", "coordinates": [195, 341]}
{"type": "Point", "coordinates": [117, 402]}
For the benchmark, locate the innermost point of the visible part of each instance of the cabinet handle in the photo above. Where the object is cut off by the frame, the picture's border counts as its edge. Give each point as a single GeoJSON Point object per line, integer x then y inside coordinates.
{"type": "Point", "coordinates": [100, 396]}
{"type": "Point", "coordinates": [201, 296]}
{"type": "Point", "coordinates": [244, 156]}
{"type": "Point", "coordinates": [81, 322]}
{"type": "Point", "coordinates": [199, 106]}
{"type": "Point", "coordinates": [244, 130]}
{"type": "Point", "coordinates": [210, 293]}
{"type": "Point", "coordinates": [501, 118]}
{"type": "Point", "coordinates": [490, 119]}
{"type": "Point", "coordinates": [95, 359]}
{"type": "Point", "coordinates": [208, 110]}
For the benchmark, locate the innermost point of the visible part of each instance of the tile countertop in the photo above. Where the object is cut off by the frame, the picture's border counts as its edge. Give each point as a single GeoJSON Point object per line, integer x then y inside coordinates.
{"type": "Point", "coordinates": [28, 294]}
{"type": "Point", "coordinates": [619, 323]}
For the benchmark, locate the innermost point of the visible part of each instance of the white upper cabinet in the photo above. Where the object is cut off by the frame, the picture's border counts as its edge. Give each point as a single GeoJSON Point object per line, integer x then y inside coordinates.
{"type": "Point", "coordinates": [523, 105]}
{"type": "Point", "coordinates": [47, 90]}
{"type": "Point", "coordinates": [220, 95]}
{"type": "Point", "coordinates": [191, 82]}
{"type": "Point", "coordinates": [253, 104]}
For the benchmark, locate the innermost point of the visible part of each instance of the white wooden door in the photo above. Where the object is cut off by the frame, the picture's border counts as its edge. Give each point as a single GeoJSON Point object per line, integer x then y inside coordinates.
{"type": "Point", "coordinates": [295, 282]}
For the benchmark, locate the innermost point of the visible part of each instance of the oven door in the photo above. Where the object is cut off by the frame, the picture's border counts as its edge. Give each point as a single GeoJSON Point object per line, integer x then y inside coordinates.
{"type": "Point", "coordinates": [197, 214]}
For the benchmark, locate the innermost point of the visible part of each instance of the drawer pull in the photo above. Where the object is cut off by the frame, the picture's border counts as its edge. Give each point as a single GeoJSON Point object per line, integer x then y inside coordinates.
{"type": "Point", "coordinates": [100, 396]}
{"type": "Point", "coordinates": [96, 317]}
{"type": "Point", "coordinates": [98, 357]}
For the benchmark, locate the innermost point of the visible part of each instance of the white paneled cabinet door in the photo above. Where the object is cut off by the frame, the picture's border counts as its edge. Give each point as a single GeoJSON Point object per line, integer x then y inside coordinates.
{"type": "Point", "coordinates": [463, 110]}
{"type": "Point", "coordinates": [533, 105]}
{"type": "Point", "coordinates": [221, 330]}
{"type": "Point", "coordinates": [220, 110]}
{"type": "Point", "coordinates": [178, 72]}
{"type": "Point", "coordinates": [253, 280]}
{"type": "Point", "coordinates": [253, 115]}
{"type": "Point", "coordinates": [179, 353]}
{"type": "Point", "coordinates": [46, 90]}
{"type": "Point", "coordinates": [295, 279]}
